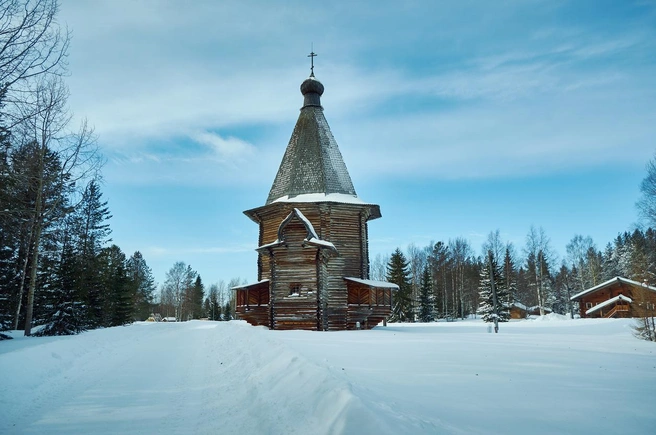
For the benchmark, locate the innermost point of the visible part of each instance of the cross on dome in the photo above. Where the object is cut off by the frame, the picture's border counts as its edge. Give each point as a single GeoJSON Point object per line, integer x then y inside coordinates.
{"type": "Point", "coordinates": [312, 55]}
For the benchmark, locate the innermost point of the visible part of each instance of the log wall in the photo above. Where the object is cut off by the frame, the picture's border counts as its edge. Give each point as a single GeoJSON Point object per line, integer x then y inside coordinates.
{"type": "Point", "coordinates": [323, 300]}
{"type": "Point", "coordinates": [641, 298]}
{"type": "Point", "coordinates": [253, 304]}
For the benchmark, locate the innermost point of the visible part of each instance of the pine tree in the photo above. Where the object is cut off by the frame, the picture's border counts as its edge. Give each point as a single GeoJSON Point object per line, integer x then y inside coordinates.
{"type": "Point", "coordinates": [118, 295]}
{"type": "Point", "coordinates": [398, 273]}
{"type": "Point", "coordinates": [92, 216]}
{"type": "Point", "coordinates": [9, 230]}
{"type": "Point", "coordinates": [197, 295]}
{"type": "Point", "coordinates": [69, 315]}
{"type": "Point", "coordinates": [91, 233]}
{"type": "Point", "coordinates": [439, 261]}
{"type": "Point", "coordinates": [426, 297]}
{"type": "Point", "coordinates": [509, 276]}
{"type": "Point", "coordinates": [610, 263]}
{"type": "Point", "coordinates": [215, 306]}
{"type": "Point", "coordinates": [486, 307]}
{"type": "Point", "coordinates": [562, 291]}
{"type": "Point", "coordinates": [227, 311]}
{"type": "Point", "coordinates": [141, 280]}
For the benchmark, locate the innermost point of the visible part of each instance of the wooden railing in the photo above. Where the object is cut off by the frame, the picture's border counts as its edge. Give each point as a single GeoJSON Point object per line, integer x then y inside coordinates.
{"type": "Point", "coordinates": [616, 308]}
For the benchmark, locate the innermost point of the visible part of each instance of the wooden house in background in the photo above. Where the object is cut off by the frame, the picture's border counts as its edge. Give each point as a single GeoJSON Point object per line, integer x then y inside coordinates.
{"type": "Point", "coordinates": [313, 252]}
{"type": "Point", "coordinates": [521, 311]}
{"type": "Point", "coordinates": [617, 297]}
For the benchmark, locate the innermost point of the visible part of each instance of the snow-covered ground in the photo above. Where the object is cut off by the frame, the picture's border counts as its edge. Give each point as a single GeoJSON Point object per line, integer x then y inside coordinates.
{"type": "Point", "coordinates": [546, 376]}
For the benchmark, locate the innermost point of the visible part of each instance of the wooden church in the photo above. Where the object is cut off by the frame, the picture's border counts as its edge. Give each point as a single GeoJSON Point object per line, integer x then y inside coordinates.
{"type": "Point", "coordinates": [313, 254]}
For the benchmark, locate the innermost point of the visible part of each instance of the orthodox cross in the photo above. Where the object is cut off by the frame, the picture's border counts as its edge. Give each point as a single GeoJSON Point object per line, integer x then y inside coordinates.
{"type": "Point", "coordinates": [312, 56]}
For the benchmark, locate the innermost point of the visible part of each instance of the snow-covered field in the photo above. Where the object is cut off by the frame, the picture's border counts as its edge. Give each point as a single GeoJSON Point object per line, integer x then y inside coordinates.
{"type": "Point", "coordinates": [547, 376]}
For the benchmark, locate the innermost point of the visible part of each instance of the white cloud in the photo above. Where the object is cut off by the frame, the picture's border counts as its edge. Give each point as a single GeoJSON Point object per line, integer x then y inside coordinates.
{"type": "Point", "coordinates": [229, 147]}
{"type": "Point", "coordinates": [495, 106]}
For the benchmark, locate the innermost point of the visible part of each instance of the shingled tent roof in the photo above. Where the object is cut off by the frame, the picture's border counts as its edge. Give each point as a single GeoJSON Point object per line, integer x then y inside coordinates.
{"type": "Point", "coordinates": [312, 162]}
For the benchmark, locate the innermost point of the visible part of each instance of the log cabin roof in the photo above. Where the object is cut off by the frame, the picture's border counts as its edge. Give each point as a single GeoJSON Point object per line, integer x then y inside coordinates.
{"type": "Point", "coordinates": [311, 238]}
{"type": "Point", "coordinates": [261, 283]}
{"type": "Point", "coordinates": [616, 299]}
{"type": "Point", "coordinates": [618, 280]}
{"type": "Point", "coordinates": [312, 163]}
{"type": "Point", "coordinates": [372, 283]}
{"type": "Point", "coordinates": [344, 201]}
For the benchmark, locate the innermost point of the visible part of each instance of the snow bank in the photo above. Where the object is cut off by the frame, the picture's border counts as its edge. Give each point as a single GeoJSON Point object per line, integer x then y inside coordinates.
{"type": "Point", "coordinates": [551, 317]}
{"type": "Point", "coordinates": [549, 376]}
{"type": "Point", "coordinates": [192, 377]}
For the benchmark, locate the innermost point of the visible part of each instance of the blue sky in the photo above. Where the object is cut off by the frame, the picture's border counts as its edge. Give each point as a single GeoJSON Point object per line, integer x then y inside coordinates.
{"type": "Point", "coordinates": [457, 117]}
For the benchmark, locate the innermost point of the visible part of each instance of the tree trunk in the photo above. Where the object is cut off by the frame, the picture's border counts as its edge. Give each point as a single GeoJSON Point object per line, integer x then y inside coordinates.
{"type": "Point", "coordinates": [38, 225]}
{"type": "Point", "coordinates": [21, 289]}
{"type": "Point", "coordinates": [29, 307]}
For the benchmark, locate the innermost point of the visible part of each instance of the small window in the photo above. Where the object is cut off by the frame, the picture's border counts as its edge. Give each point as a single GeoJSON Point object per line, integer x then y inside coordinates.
{"type": "Point", "coordinates": [295, 289]}
{"type": "Point", "coordinates": [588, 305]}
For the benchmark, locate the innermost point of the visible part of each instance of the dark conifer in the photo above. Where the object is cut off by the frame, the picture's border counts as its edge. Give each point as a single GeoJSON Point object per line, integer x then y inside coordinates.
{"type": "Point", "coordinates": [486, 307]}
{"type": "Point", "coordinates": [398, 273]}
{"type": "Point", "coordinates": [197, 295]}
{"type": "Point", "coordinates": [426, 298]}
{"type": "Point", "coordinates": [142, 283]}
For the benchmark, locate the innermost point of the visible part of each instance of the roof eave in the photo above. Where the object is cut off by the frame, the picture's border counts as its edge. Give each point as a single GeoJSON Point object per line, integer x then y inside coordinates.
{"type": "Point", "coordinates": [605, 284]}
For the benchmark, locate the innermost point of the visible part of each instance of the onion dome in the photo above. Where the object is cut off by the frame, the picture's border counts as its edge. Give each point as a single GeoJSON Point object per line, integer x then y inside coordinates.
{"type": "Point", "coordinates": [312, 89]}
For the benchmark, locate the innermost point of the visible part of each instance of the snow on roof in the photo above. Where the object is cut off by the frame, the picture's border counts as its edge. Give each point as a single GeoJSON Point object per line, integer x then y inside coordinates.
{"type": "Point", "coordinates": [307, 223]}
{"type": "Point", "coordinates": [520, 306]}
{"type": "Point", "coordinates": [322, 197]}
{"type": "Point", "coordinates": [312, 237]}
{"type": "Point", "coordinates": [319, 242]}
{"type": "Point", "coordinates": [609, 282]}
{"type": "Point", "coordinates": [372, 283]}
{"type": "Point", "coordinates": [269, 245]}
{"type": "Point", "coordinates": [609, 302]}
{"type": "Point", "coordinates": [537, 307]}
{"type": "Point", "coordinates": [239, 287]}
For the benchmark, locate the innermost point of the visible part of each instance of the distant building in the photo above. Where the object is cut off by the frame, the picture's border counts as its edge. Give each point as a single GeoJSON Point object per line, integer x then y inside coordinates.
{"type": "Point", "coordinates": [617, 297]}
{"type": "Point", "coordinates": [518, 311]}
{"type": "Point", "coordinates": [521, 311]}
{"type": "Point", "coordinates": [313, 254]}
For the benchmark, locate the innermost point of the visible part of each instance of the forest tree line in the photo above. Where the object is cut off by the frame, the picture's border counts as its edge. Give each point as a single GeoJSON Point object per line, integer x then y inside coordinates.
{"type": "Point", "coordinates": [450, 280]}
{"type": "Point", "coordinates": [183, 296]}
{"type": "Point", "coordinates": [58, 269]}
{"type": "Point", "coordinates": [446, 280]}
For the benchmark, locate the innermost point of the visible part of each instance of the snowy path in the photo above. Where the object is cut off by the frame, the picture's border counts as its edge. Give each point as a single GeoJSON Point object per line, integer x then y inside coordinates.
{"type": "Point", "coordinates": [574, 377]}
{"type": "Point", "coordinates": [194, 377]}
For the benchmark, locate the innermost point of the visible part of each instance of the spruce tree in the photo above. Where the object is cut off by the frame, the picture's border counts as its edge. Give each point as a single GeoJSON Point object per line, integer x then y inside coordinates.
{"type": "Point", "coordinates": [9, 231]}
{"type": "Point", "coordinates": [141, 280]}
{"type": "Point", "coordinates": [215, 306]}
{"type": "Point", "coordinates": [426, 297]}
{"type": "Point", "coordinates": [197, 295]}
{"type": "Point", "coordinates": [510, 277]}
{"type": "Point", "coordinates": [440, 260]}
{"type": "Point", "coordinates": [68, 316]}
{"type": "Point", "coordinates": [398, 273]}
{"type": "Point", "coordinates": [118, 295]}
{"type": "Point", "coordinates": [486, 307]}
{"type": "Point", "coordinates": [91, 233]}
{"type": "Point", "coordinates": [227, 311]}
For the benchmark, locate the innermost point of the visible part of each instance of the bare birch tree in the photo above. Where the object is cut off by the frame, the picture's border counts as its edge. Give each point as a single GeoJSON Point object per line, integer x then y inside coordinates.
{"type": "Point", "coordinates": [44, 123]}
{"type": "Point", "coordinates": [32, 44]}
{"type": "Point", "coordinates": [647, 203]}
{"type": "Point", "coordinates": [539, 257]}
